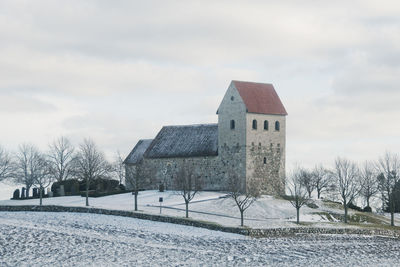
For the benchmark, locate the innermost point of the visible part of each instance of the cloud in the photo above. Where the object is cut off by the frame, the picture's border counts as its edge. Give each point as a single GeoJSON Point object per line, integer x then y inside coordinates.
{"type": "Point", "coordinates": [14, 103]}
{"type": "Point", "coordinates": [117, 71]}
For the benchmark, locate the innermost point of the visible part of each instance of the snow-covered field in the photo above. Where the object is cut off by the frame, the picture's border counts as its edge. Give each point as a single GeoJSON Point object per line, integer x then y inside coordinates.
{"type": "Point", "coordinates": [266, 212]}
{"type": "Point", "coordinates": [73, 239]}
{"type": "Point", "coordinates": [209, 206]}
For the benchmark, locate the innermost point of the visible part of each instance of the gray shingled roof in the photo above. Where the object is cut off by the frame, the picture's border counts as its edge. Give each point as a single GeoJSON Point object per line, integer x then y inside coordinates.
{"type": "Point", "coordinates": [185, 141]}
{"type": "Point", "coordinates": [137, 152]}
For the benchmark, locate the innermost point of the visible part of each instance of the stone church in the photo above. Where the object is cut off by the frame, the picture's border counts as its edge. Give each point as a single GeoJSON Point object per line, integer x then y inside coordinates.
{"type": "Point", "coordinates": [248, 141]}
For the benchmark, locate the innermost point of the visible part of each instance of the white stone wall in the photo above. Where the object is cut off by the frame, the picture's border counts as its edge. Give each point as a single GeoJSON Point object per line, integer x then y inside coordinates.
{"type": "Point", "coordinates": [232, 142]}
{"type": "Point", "coordinates": [270, 144]}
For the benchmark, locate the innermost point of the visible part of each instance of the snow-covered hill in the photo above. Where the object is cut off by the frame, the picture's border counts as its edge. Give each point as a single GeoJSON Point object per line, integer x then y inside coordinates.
{"type": "Point", "coordinates": [266, 212]}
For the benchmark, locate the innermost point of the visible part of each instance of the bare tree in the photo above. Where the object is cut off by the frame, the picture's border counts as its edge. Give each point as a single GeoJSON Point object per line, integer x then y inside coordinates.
{"type": "Point", "coordinates": [306, 180]}
{"type": "Point", "coordinates": [6, 165]}
{"type": "Point", "coordinates": [243, 196]}
{"type": "Point", "coordinates": [187, 183]}
{"type": "Point", "coordinates": [389, 167]}
{"type": "Point", "coordinates": [347, 179]}
{"type": "Point", "coordinates": [133, 180]}
{"type": "Point", "coordinates": [299, 196]}
{"type": "Point", "coordinates": [90, 164]}
{"type": "Point", "coordinates": [118, 168]}
{"type": "Point", "coordinates": [322, 180]}
{"type": "Point", "coordinates": [381, 187]}
{"type": "Point", "coordinates": [368, 182]}
{"type": "Point", "coordinates": [25, 166]}
{"type": "Point", "coordinates": [135, 177]}
{"type": "Point", "coordinates": [42, 175]}
{"type": "Point", "coordinates": [60, 158]}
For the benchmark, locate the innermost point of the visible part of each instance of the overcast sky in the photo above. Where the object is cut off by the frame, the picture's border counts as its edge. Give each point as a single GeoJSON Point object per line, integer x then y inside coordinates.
{"type": "Point", "coordinates": [117, 71]}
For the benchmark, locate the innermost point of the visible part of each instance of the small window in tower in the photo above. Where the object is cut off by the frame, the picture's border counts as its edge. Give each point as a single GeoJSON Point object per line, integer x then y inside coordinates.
{"type": "Point", "coordinates": [279, 145]}
{"type": "Point", "coordinates": [266, 125]}
{"type": "Point", "coordinates": [232, 124]}
{"type": "Point", "coordinates": [232, 98]}
{"type": "Point", "coordinates": [277, 126]}
{"type": "Point", "coordinates": [265, 160]}
{"type": "Point", "coordinates": [259, 144]}
{"type": "Point", "coordinates": [254, 124]}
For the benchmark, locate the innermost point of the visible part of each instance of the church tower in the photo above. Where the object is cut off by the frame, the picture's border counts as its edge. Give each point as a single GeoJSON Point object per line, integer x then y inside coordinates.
{"type": "Point", "coordinates": [252, 135]}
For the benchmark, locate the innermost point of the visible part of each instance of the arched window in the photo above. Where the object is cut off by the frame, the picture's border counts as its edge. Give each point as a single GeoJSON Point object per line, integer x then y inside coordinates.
{"type": "Point", "coordinates": [265, 160]}
{"type": "Point", "coordinates": [266, 125]}
{"type": "Point", "coordinates": [254, 124]}
{"type": "Point", "coordinates": [277, 126]}
{"type": "Point", "coordinates": [232, 124]}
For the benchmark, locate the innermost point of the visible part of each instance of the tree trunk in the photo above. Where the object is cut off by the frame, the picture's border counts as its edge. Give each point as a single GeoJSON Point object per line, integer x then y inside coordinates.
{"type": "Point", "coordinates": [392, 218]}
{"type": "Point", "coordinates": [136, 194]}
{"type": "Point", "coordinates": [87, 192]}
{"type": "Point", "coordinates": [319, 194]}
{"type": "Point", "coordinates": [298, 215]}
{"type": "Point", "coordinates": [367, 201]}
{"type": "Point", "coordinates": [391, 203]}
{"type": "Point", "coordinates": [241, 218]}
{"type": "Point", "coordinates": [187, 209]}
{"type": "Point", "coordinates": [40, 194]}
{"type": "Point", "coordinates": [345, 213]}
{"type": "Point", "coordinates": [27, 192]}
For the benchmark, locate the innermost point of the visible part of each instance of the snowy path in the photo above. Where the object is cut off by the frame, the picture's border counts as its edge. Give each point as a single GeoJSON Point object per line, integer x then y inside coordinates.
{"type": "Point", "coordinates": [72, 239]}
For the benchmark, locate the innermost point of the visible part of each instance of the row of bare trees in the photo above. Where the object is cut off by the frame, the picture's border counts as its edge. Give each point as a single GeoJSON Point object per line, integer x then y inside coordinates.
{"type": "Point", "coordinates": [187, 183]}
{"type": "Point", "coordinates": [31, 167]}
{"type": "Point", "coordinates": [348, 182]}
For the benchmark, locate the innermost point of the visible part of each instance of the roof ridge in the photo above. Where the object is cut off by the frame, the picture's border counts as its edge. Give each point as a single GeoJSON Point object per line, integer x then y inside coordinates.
{"type": "Point", "coordinates": [251, 82]}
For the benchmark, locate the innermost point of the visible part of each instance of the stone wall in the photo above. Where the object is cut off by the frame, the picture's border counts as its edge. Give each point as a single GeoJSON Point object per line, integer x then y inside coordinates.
{"type": "Point", "coordinates": [207, 168]}
{"type": "Point", "coordinates": [271, 145]}
{"type": "Point", "coordinates": [257, 233]}
{"type": "Point", "coordinates": [265, 167]}
{"type": "Point", "coordinates": [212, 170]}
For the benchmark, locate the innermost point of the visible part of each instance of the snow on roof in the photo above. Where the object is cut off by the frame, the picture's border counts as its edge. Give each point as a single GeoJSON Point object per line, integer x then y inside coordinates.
{"type": "Point", "coordinates": [260, 98]}
{"type": "Point", "coordinates": [185, 141]}
{"type": "Point", "coordinates": [137, 152]}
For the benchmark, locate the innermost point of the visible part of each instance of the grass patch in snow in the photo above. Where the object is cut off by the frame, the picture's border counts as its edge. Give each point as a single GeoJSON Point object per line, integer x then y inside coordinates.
{"type": "Point", "coordinates": [332, 204]}
{"type": "Point", "coordinates": [364, 219]}
{"type": "Point", "coordinates": [312, 205]}
{"type": "Point", "coordinates": [375, 226]}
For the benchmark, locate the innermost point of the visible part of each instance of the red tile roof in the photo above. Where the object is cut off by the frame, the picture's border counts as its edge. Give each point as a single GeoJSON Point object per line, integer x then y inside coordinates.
{"type": "Point", "coordinates": [260, 98]}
